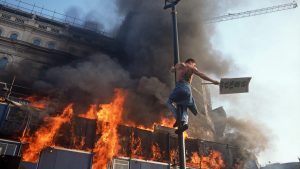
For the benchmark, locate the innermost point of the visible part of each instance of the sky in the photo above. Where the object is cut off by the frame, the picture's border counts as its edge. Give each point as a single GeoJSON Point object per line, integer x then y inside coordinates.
{"type": "Point", "coordinates": [266, 48]}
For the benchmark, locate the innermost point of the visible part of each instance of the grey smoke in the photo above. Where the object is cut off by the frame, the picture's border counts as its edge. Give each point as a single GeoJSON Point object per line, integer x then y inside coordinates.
{"type": "Point", "coordinates": [146, 35]}
{"type": "Point", "coordinates": [152, 86]}
{"type": "Point", "coordinates": [86, 82]}
{"type": "Point", "coordinates": [251, 137]}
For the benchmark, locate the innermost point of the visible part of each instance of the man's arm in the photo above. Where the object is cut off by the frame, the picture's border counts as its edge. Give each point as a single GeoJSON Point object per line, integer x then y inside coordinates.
{"type": "Point", "coordinates": [204, 77]}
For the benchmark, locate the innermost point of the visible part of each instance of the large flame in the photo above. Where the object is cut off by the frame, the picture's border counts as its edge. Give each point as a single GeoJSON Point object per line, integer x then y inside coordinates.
{"type": "Point", "coordinates": [44, 136]}
{"type": "Point", "coordinates": [108, 119]}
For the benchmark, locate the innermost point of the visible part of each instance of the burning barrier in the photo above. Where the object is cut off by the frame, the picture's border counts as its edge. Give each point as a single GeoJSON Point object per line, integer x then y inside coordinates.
{"type": "Point", "coordinates": [110, 142]}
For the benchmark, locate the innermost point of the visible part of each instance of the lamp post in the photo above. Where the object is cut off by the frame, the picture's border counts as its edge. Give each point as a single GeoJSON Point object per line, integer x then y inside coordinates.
{"type": "Point", "coordinates": [172, 4]}
{"type": "Point", "coordinates": [181, 144]}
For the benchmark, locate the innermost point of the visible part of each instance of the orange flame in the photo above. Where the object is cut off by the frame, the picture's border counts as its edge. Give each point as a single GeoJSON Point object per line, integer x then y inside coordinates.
{"type": "Point", "coordinates": [174, 156]}
{"type": "Point", "coordinates": [167, 122]}
{"type": "Point", "coordinates": [156, 153]}
{"type": "Point", "coordinates": [91, 113]}
{"type": "Point", "coordinates": [108, 119]}
{"type": "Point", "coordinates": [213, 161]}
{"type": "Point", "coordinates": [136, 147]}
{"type": "Point", "coordinates": [38, 103]}
{"type": "Point", "coordinates": [45, 135]}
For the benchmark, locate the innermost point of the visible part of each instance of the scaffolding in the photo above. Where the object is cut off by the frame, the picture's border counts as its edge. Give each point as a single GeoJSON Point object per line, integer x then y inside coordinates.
{"type": "Point", "coordinates": [22, 6]}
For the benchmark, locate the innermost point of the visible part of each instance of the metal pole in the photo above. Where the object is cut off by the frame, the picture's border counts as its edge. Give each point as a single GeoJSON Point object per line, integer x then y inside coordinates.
{"type": "Point", "coordinates": [181, 143]}
{"type": "Point", "coordinates": [169, 151]}
{"type": "Point", "coordinates": [175, 36]}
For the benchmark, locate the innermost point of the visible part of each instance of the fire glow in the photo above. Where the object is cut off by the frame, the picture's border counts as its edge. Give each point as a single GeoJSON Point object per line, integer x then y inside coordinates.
{"type": "Point", "coordinates": [44, 136]}
{"type": "Point", "coordinates": [38, 103]}
{"type": "Point", "coordinates": [213, 160]}
{"type": "Point", "coordinates": [108, 117]}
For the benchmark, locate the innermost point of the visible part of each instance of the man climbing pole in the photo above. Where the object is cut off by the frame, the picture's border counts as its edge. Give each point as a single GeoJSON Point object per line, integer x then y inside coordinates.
{"type": "Point", "coordinates": [182, 93]}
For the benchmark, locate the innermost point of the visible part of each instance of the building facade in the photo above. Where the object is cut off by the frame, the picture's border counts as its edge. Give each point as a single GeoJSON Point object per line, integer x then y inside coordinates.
{"type": "Point", "coordinates": [30, 40]}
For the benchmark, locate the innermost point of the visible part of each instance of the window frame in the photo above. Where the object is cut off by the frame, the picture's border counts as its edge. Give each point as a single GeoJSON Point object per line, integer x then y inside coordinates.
{"type": "Point", "coordinates": [6, 63]}
{"type": "Point", "coordinates": [37, 39]}
{"type": "Point", "coordinates": [12, 33]}
{"type": "Point", "coordinates": [51, 43]}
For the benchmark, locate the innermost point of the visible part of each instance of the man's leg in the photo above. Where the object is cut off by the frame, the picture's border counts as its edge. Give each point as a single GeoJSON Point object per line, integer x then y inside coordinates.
{"type": "Point", "coordinates": [193, 107]}
{"type": "Point", "coordinates": [185, 116]}
{"type": "Point", "coordinates": [173, 109]}
{"type": "Point", "coordinates": [184, 119]}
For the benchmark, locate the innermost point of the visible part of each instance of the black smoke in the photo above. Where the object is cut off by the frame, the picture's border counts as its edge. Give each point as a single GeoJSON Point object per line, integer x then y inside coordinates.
{"type": "Point", "coordinates": [145, 36]}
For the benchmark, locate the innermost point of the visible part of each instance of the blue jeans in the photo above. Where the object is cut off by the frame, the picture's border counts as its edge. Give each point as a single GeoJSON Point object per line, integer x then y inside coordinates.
{"type": "Point", "coordinates": [182, 95]}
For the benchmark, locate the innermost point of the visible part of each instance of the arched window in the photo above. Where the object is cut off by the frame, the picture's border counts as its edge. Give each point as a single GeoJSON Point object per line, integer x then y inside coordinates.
{"type": "Point", "coordinates": [51, 45]}
{"type": "Point", "coordinates": [13, 36]}
{"type": "Point", "coordinates": [37, 42]}
{"type": "Point", "coordinates": [3, 62]}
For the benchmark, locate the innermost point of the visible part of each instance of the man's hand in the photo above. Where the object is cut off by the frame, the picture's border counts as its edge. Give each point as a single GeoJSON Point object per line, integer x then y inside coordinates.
{"type": "Point", "coordinates": [216, 82]}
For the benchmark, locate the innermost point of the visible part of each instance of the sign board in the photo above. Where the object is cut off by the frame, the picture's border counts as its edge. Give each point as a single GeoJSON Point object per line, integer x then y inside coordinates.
{"type": "Point", "coordinates": [234, 85]}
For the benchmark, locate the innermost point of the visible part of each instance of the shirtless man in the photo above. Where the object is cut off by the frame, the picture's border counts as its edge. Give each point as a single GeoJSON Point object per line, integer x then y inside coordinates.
{"type": "Point", "coordinates": [182, 94]}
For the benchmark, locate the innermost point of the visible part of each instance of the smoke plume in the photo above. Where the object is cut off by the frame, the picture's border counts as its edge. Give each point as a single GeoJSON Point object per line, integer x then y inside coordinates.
{"type": "Point", "coordinates": [248, 135]}
{"type": "Point", "coordinates": [143, 68]}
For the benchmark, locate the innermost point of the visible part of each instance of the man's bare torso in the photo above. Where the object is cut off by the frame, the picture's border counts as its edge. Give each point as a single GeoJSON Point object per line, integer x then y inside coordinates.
{"type": "Point", "coordinates": [184, 72]}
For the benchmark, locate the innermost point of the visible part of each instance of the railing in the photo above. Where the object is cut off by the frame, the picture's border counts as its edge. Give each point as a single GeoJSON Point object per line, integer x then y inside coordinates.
{"type": "Point", "coordinates": [50, 14]}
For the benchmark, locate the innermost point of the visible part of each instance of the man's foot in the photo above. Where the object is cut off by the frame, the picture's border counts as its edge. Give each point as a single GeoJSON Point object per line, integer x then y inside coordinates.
{"type": "Point", "coordinates": [182, 129]}
{"type": "Point", "coordinates": [176, 124]}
